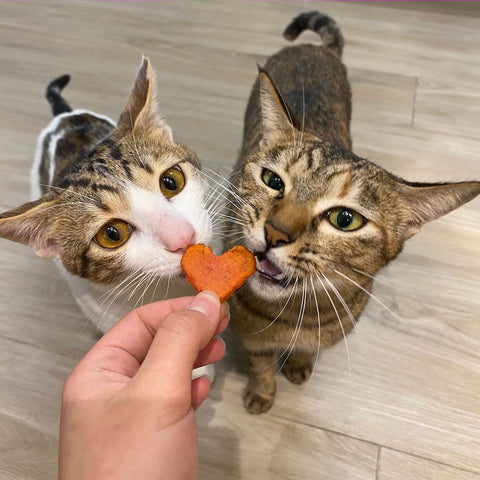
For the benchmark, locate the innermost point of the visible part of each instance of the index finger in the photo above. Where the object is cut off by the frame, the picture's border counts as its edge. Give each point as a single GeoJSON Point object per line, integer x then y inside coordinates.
{"type": "Point", "coordinates": [134, 333]}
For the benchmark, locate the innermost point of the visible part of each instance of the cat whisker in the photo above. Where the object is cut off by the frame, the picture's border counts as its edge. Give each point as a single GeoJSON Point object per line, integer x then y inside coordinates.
{"type": "Point", "coordinates": [143, 279]}
{"type": "Point", "coordinates": [213, 201]}
{"type": "Point", "coordinates": [51, 207]}
{"type": "Point", "coordinates": [296, 332]}
{"type": "Point", "coordinates": [53, 187]}
{"type": "Point", "coordinates": [119, 285]}
{"type": "Point", "coordinates": [229, 188]}
{"type": "Point", "coordinates": [371, 295]}
{"type": "Point", "coordinates": [356, 270]}
{"type": "Point", "coordinates": [233, 235]}
{"type": "Point", "coordinates": [151, 279]}
{"type": "Point", "coordinates": [222, 201]}
{"type": "Point", "coordinates": [342, 301]}
{"type": "Point", "coordinates": [167, 289]}
{"type": "Point", "coordinates": [114, 295]}
{"type": "Point", "coordinates": [227, 198]}
{"type": "Point", "coordinates": [319, 344]}
{"type": "Point", "coordinates": [220, 225]}
{"type": "Point", "coordinates": [224, 180]}
{"type": "Point", "coordinates": [281, 311]}
{"type": "Point", "coordinates": [230, 219]}
{"type": "Point", "coordinates": [361, 272]}
{"type": "Point", "coordinates": [338, 317]}
{"type": "Point", "coordinates": [157, 281]}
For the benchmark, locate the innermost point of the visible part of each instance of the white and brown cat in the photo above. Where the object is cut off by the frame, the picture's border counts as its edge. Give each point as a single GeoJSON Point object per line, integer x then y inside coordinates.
{"type": "Point", "coordinates": [115, 204]}
{"type": "Point", "coordinates": [321, 220]}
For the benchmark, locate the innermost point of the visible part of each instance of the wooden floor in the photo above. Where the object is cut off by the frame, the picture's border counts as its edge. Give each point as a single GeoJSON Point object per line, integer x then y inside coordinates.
{"type": "Point", "coordinates": [408, 404]}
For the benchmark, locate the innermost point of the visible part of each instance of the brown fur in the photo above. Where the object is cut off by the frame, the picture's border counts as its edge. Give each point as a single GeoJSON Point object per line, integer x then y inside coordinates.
{"type": "Point", "coordinates": [297, 125]}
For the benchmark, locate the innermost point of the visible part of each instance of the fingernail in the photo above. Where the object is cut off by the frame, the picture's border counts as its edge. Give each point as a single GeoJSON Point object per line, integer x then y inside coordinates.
{"type": "Point", "coordinates": [225, 310]}
{"type": "Point", "coordinates": [222, 341]}
{"type": "Point", "coordinates": [207, 303]}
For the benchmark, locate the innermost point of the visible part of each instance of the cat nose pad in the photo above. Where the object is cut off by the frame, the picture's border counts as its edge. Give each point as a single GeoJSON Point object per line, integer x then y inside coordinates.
{"type": "Point", "coordinates": [178, 242]}
{"type": "Point", "coordinates": [275, 237]}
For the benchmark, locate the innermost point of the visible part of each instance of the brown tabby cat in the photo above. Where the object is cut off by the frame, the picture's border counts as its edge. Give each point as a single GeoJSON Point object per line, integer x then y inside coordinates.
{"type": "Point", "coordinates": [320, 220]}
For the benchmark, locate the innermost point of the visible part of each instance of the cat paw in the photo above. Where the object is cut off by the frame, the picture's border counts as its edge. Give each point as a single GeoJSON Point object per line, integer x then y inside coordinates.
{"type": "Point", "coordinates": [297, 374]}
{"type": "Point", "coordinates": [256, 403]}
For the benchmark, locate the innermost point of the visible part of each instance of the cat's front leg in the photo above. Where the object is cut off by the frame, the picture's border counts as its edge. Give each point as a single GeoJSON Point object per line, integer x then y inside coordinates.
{"type": "Point", "coordinates": [298, 367]}
{"type": "Point", "coordinates": [260, 392]}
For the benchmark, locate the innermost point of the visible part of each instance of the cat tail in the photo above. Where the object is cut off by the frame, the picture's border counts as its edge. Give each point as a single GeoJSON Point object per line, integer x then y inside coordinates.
{"type": "Point", "coordinates": [320, 23]}
{"type": "Point", "coordinates": [54, 95]}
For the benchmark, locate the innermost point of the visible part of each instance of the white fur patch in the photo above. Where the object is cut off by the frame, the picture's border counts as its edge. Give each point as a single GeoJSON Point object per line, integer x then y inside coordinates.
{"type": "Point", "coordinates": [158, 220]}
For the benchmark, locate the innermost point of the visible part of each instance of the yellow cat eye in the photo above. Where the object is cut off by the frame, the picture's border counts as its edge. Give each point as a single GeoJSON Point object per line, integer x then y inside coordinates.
{"type": "Point", "coordinates": [345, 219]}
{"type": "Point", "coordinates": [272, 180]}
{"type": "Point", "coordinates": [114, 234]}
{"type": "Point", "coordinates": [172, 182]}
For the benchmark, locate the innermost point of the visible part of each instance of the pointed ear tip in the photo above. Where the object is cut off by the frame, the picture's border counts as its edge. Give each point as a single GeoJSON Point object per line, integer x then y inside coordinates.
{"type": "Point", "coordinates": [146, 69]}
{"type": "Point", "coordinates": [145, 61]}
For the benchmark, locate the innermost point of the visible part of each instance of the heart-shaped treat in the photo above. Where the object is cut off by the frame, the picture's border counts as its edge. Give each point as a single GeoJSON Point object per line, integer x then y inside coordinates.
{"type": "Point", "coordinates": [223, 274]}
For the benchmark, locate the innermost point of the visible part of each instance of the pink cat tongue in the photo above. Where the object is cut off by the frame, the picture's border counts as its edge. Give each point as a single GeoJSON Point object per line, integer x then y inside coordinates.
{"type": "Point", "coordinates": [267, 267]}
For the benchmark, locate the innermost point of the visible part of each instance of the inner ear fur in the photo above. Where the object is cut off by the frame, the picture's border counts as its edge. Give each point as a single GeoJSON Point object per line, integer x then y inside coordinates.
{"type": "Point", "coordinates": [33, 225]}
{"type": "Point", "coordinates": [427, 202]}
{"type": "Point", "coordinates": [140, 112]}
{"type": "Point", "coordinates": [277, 121]}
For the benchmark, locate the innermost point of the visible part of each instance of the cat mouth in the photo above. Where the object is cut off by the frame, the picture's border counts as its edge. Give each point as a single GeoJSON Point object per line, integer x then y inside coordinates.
{"type": "Point", "coordinates": [267, 268]}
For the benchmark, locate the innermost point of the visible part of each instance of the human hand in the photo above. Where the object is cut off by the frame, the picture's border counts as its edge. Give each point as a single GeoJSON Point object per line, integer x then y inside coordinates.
{"type": "Point", "coordinates": [128, 406]}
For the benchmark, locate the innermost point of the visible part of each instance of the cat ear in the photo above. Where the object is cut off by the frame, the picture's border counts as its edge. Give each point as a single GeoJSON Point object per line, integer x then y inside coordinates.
{"type": "Point", "coordinates": [140, 112]}
{"type": "Point", "coordinates": [276, 119]}
{"type": "Point", "coordinates": [428, 202]}
{"type": "Point", "coordinates": [31, 225]}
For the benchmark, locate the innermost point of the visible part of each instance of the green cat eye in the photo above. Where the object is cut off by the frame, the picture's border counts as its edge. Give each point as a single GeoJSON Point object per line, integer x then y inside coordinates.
{"type": "Point", "coordinates": [114, 234]}
{"type": "Point", "coordinates": [272, 180]}
{"type": "Point", "coordinates": [172, 182]}
{"type": "Point", "coordinates": [345, 219]}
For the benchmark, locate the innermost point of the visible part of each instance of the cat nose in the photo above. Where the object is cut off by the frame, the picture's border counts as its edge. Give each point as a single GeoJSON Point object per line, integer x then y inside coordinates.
{"type": "Point", "coordinates": [179, 238]}
{"type": "Point", "coordinates": [275, 237]}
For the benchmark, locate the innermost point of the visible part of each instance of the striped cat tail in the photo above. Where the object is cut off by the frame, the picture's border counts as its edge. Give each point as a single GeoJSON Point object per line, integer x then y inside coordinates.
{"type": "Point", "coordinates": [54, 95]}
{"type": "Point", "coordinates": [320, 23]}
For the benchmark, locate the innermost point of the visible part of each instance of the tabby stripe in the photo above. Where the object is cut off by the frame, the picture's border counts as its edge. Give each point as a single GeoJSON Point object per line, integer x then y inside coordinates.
{"type": "Point", "coordinates": [126, 168]}
{"type": "Point", "coordinates": [81, 182]}
{"type": "Point", "coordinates": [101, 186]}
{"type": "Point", "coordinates": [262, 353]}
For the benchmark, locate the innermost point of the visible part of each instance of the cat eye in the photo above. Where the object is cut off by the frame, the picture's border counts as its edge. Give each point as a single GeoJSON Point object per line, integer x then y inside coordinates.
{"type": "Point", "coordinates": [272, 180]}
{"type": "Point", "coordinates": [345, 219]}
{"type": "Point", "coordinates": [114, 234]}
{"type": "Point", "coordinates": [172, 181]}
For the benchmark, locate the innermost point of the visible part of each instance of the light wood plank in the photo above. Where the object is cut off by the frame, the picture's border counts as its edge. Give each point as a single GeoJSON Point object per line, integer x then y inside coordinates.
{"type": "Point", "coordinates": [382, 99]}
{"type": "Point", "coordinates": [269, 448]}
{"type": "Point", "coordinates": [27, 453]}
{"type": "Point", "coordinates": [449, 109]}
{"type": "Point", "coordinates": [397, 466]}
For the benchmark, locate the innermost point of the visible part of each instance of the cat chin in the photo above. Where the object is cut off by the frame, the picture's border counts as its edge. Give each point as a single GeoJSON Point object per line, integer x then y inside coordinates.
{"type": "Point", "coordinates": [268, 288]}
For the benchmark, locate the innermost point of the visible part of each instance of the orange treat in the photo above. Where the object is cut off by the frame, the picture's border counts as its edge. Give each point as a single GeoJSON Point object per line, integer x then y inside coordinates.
{"type": "Point", "coordinates": [223, 274]}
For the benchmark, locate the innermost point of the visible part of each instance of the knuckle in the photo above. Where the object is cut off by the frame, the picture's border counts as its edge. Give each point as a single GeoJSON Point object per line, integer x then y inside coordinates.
{"type": "Point", "coordinates": [183, 322]}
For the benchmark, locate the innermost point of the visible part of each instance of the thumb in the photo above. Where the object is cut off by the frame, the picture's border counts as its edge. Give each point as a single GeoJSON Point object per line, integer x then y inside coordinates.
{"type": "Point", "coordinates": [181, 335]}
